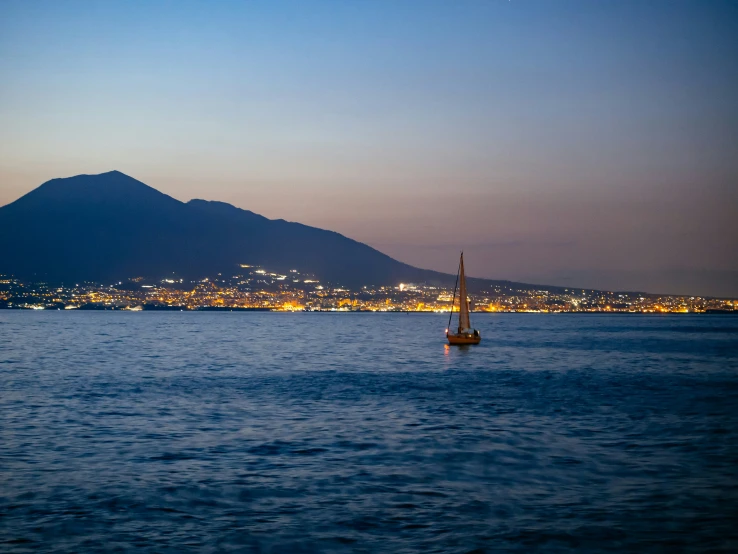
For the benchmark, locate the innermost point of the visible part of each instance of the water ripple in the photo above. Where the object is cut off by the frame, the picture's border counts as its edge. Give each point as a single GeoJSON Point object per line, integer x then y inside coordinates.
{"type": "Point", "coordinates": [199, 432]}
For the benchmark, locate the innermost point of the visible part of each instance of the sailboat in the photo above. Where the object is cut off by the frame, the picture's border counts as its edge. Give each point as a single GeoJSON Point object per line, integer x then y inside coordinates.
{"type": "Point", "coordinates": [465, 333]}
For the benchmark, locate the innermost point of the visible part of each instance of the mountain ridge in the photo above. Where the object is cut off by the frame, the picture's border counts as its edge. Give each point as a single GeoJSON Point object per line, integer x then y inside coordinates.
{"type": "Point", "coordinates": [110, 226]}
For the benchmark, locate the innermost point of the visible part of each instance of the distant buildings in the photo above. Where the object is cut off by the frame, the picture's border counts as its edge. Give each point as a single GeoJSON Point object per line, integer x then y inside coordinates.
{"type": "Point", "coordinates": [253, 287]}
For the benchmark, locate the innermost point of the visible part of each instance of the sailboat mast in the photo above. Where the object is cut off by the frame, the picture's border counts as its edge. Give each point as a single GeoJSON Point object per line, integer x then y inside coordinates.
{"type": "Point", "coordinates": [463, 302]}
{"type": "Point", "coordinates": [453, 300]}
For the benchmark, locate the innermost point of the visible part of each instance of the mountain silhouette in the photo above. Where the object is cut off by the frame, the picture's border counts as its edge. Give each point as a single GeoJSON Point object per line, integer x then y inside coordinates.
{"type": "Point", "coordinates": [110, 227]}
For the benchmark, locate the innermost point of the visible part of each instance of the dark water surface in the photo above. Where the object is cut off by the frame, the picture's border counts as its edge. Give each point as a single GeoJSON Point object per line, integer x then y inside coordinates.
{"type": "Point", "coordinates": [259, 432]}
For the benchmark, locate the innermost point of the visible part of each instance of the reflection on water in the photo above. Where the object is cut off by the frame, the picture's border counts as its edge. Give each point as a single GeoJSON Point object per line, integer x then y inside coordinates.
{"type": "Point", "coordinates": [178, 432]}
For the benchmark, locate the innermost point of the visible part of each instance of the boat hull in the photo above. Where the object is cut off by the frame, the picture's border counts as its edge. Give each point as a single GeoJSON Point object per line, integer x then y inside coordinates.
{"type": "Point", "coordinates": [463, 339]}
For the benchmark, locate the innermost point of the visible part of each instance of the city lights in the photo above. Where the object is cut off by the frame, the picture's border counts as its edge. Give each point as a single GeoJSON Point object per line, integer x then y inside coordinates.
{"type": "Point", "coordinates": [257, 288]}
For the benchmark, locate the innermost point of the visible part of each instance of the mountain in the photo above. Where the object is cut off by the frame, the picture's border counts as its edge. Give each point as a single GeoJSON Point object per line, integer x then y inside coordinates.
{"type": "Point", "coordinates": [110, 227]}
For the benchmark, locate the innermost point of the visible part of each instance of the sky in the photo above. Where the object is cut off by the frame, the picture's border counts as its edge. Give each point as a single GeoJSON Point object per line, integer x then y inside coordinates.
{"type": "Point", "coordinates": [574, 143]}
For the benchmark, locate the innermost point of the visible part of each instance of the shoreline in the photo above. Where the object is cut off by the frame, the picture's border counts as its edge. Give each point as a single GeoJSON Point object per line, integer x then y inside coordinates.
{"type": "Point", "coordinates": [711, 312]}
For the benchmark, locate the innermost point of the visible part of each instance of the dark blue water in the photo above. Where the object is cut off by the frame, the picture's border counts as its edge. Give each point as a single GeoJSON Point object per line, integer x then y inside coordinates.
{"type": "Point", "coordinates": [248, 432]}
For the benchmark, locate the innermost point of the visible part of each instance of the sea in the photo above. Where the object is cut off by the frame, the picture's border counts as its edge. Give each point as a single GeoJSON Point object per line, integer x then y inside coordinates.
{"type": "Point", "coordinates": [176, 432]}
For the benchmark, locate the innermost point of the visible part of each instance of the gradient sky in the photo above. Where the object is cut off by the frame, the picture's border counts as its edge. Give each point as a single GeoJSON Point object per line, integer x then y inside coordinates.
{"type": "Point", "coordinates": [590, 143]}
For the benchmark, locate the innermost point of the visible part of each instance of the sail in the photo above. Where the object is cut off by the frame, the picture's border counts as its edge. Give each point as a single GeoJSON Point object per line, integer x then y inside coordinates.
{"type": "Point", "coordinates": [463, 301]}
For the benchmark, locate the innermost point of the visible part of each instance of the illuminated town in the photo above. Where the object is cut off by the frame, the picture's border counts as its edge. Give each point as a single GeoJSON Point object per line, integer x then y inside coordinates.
{"type": "Point", "coordinates": [257, 288]}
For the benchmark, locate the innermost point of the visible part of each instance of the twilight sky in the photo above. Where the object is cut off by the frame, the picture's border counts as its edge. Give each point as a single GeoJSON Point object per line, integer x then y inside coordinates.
{"type": "Point", "coordinates": [588, 143]}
